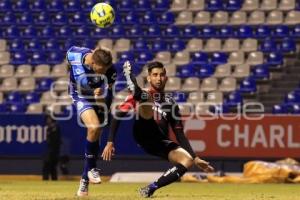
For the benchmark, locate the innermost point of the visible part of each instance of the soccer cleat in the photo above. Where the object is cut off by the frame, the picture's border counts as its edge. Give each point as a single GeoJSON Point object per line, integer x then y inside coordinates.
{"type": "Point", "coordinates": [147, 191]}
{"type": "Point", "coordinates": [94, 176]}
{"type": "Point", "coordinates": [130, 80]}
{"type": "Point", "coordinates": [83, 188]}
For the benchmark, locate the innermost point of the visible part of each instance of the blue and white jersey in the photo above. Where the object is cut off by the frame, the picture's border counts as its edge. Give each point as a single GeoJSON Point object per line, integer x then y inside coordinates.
{"type": "Point", "coordinates": [83, 76]}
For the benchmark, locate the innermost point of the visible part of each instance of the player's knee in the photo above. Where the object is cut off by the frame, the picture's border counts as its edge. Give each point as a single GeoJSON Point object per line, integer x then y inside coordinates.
{"type": "Point", "coordinates": [94, 131]}
{"type": "Point", "coordinates": [188, 162]}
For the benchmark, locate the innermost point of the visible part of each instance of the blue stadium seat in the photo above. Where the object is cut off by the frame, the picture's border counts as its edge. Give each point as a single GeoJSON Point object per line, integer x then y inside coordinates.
{"type": "Point", "coordinates": [32, 97]}
{"type": "Point", "coordinates": [55, 57]}
{"type": "Point", "coordinates": [288, 45]}
{"type": "Point", "coordinates": [262, 31]}
{"type": "Point", "coordinates": [186, 71]}
{"type": "Point", "coordinates": [88, 43]}
{"type": "Point", "coordinates": [88, 5]}
{"type": "Point", "coordinates": [208, 32]}
{"type": "Point", "coordinates": [52, 45]}
{"type": "Point", "coordinates": [190, 31]}
{"type": "Point", "coordinates": [167, 18]}
{"type": "Point", "coordinates": [14, 97]}
{"type": "Point", "coordinates": [17, 108]}
{"type": "Point", "coordinates": [295, 109]}
{"type": "Point", "coordinates": [60, 18]}
{"type": "Point", "coordinates": [72, 6]}
{"type": "Point", "coordinates": [143, 5]}
{"type": "Point", "coordinates": [234, 99]}
{"type": "Point", "coordinates": [159, 45]}
{"type": "Point", "coordinates": [81, 32]}
{"type": "Point", "coordinates": [140, 45]}
{"type": "Point", "coordinates": [153, 31]}
{"type": "Point", "coordinates": [56, 6]}
{"type": "Point", "coordinates": [268, 45]}
{"type": "Point", "coordinates": [127, 55]}
{"type": "Point", "coordinates": [149, 18]}
{"type": "Point", "coordinates": [125, 5]}
{"type": "Point", "coordinates": [279, 109]}
{"type": "Point", "coordinates": [281, 31]}
{"type": "Point", "coordinates": [244, 32]}
{"type": "Point", "coordinates": [17, 45]}
{"type": "Point", "coordinates": [232, 5]}
{"type": "Point", "coordinates": [261, 72]}
{"type": "Point", "coordinates": [296, 32]}
{"type": "Point", "coordinates": [64, 32]}
{"type": "Point", "coordinates": [5, 5]}
{"type": "Point", "coordinates": [206, 71]}
{"type": "Point", "coordinates": [226, 32]}
{"type": "Point", "coordinates": [172, 31]}
{"type": "Point", "coordinates": [214, 5]}
{"type": "Point", "coordinates": [99, 33]}
{"type": "Point", "coordinates": [47, 32]}
{"type": "Point", "coordinates": [117, 31]}
{"type": "Point", "coordinates": [200, 58]}
{"type": "Point", "coordinates": [177, 45]}
{"type": "Point", "coordinates": [3, 108]}
{"type": "Point", "coordinates": [19, 58]}
{"type": "Point", "coordinates": [292, 98]}
{"type": "Point", "coordinates": [30, 32]}
{"type": "Point", "coordinates": [131, 18]}
{"type": "Point", "coordinates": [34, 45]}
{"type": "Point", "coordinates": [135, 31]}
{"type": "Point", "coordinates": [161, 5]}
{"type": "Point", "coordinates": [144, 57]}
{"type": "Point", "coordinates": [12, 32]}
{"type": "Point", "coordinates": [68, 43]}
{"type": "Point", "coordinates": [180, 97]}
{"type": "Point", "coordinates": [42, 19]}
{"type": "Point", "coordinates": [248, 85]}
{"type": "Point", "coordinates": [218, 109]}
{"type": "Point", "coordinates": [44, 85]}
{"type": "Point", "coordinates": [38, 6]}
{"type": "Point", "coordinates": [219, 58]}
{"type": "Point", "coordinates": [21, 6]}
{"type": "Point", "coordinates": [38, 58]}
{"type": "Point", "coordinates": [26, 19]}
{"type": "Point", "coordinates": [78, 18]}
{"type": "Point", "coordinates": [275, 59]}
{"type": "Point", "coordinates": [8, 19]}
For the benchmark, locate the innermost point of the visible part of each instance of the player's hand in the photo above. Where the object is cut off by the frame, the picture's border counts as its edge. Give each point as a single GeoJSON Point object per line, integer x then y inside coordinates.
{"type": "Point", "coordinates": [203, 165]}
{"type": "Point", "coordinates": [98, 92]}
{"type": "Point", "coordinates": [108, 151]}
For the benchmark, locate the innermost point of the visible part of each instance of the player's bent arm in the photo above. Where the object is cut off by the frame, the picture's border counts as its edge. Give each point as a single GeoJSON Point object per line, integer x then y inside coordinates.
{"type": "Point", "coordinates": [177, 128]}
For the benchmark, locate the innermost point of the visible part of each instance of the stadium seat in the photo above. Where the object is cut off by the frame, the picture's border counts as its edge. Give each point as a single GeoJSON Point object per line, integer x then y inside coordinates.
{"type": "Point", "coordinates": [231, 45]}
{"type": "Point", "coordinates": [196, 5]}
{"type": "Point", "coordinates": [219, 58]}
{"type": "Point", "coordinates": [202, 18]}
{"type": "Point", "coordinates": [5, 5]}
{"type": "Point", "coordinates": [136, 31]}
{"type": "Point", "coordinates": [87, 5]}
{"type": "Point", "coordinates": [292, 18]}
{"type": "Point", "coordinates": [34, 108]}
{"type": "Point", "coordinates": [296, 32]}
{"type": "Point", "coordinates": [59, 70]}
{"type": "Point", "coordinates": [54, 57]}
{"type": "Point", "coordinates": [163, 57]}
{"type": "Point", "coordinates": [177, 45]}
{"type": "Point", "coordinates": [220, 18]}
{"type": "Point", "coordinates": [6, 71]}
{"type": "Point", "coordinates": [125, 5]}
{"type": "Point", "coordinates": [9, 84]}
{"type": "Point", "coordinates": [14, 97]}
{"type": "Point", "coordinates": [200, 58]}
{"type": "Point", "coordinates": [222, 71]}
{"type": "Point", "coordinates": [34, 45]}
{"type": "Point", "coordinates": [5, 57]}
{"type": "Point", "coordinates": [173, 84]}
{"type": "Point", "coordinates": [249, 45]}
{"type": "Point", "coordinates": [26, 84]}
{"type": "Point", "coordinates": [194, 45]}
{"type": "Point", "coordinates": [180, 97]}
{"type": "Point", "coordinates": [256, 17]}
{"type": "Point", "coordinates": [196, 97]}
{"type": "Point", "coordinates": [181, 58]}
{"type": "Point", "coordinates": [56, 6]}
{"type": "Point", "coordinates": [281, 31]}
{"type": "Point", "coordinates": [144, 57]}
{"type": "Point", "coordinates": [3, 45]}
{"type": "Point", "coordinates": [38, 6]}
{"type": "Point", "coordinates": [16, 45]}
{"type": "Point", "coordinates": [286, 5]}
{"type": "Point", "coordinates": [208, 32]}
{"type": "Point", "coordinates": [149, 18]}
{"type": "Point", "coordinates": [19, 58]}
{"type": "Point", "coordinates": [212, 45]}
{"type": "Point", "coordinates": [268, 45]}
{"type": "Point", "coordinates": [131, 18]}
{"type": "Point", "coordinates": [244, 32]}
{"type": "Point", "coordinates": [288, 45]}
{"type": "Point", "coordinates": [262, 31]}
{"type": "Point", "coordinates": [118, 31]}
{"type": "Point", "coordinates": [261, 72]}
{"type": "Point", "coordinates": [226, 32]}
{"type": "Point", "coordinates": [41, 71]}
{"type": "Point", "coordinates": [140, 45]}
{"type": "Point", "coordinates": [292, 98]}
{"type": "Point", "coordinates": [234, 99]}
{"type": "Point", "coordinates": [236, 58]}
{"type": "Point", "coordinates": [44, 85]}
{"type": "Point", "coordinates": [167, 18]}
{"type": "Point", "coordinates": [250, 5]}
{"type": "Point", "coordinates": [172, 31]}
{"type": "Point", "coordinates": [238, 18]}
{"type": "Point", "coordinates": [72, 6]}
{"type": "Point", "coordinates": [228, 84]}
{"type": "Point", "coordinates": [23, 71]}
{"type": "Point", "coordinates": [241, 71]}
{"type": "Point", "coordinates": [255, 58]}
{"type": "Point", "coordinates": [275, 59]}
{"type": "Point", "coordinates": [127, 55]}
{"type": "Point", "coordinates": [17, 108]}
{"type": "Point", "coordinates": [60, 18]}
{"type": "Point", "coordinates": [47, 32]}
{"type": "Point", "coordinates": [214, 5]}
{"type": "Point", "coordinates": [191, 84]}
{"type": "Point", "coordinates": [179, 5]}
{"type": "Point", "coordinates": [161, 5]}
{"type": "Point", "coordinates": [143, 5]}
{"type": "Point", "coordinates": [153, 31]}
{"type": "Point", "coordinates": [215, 97]}
{"type": "Point", "coordinates": [21, 6]}
{"type": "Point", "coordinates": [81, 32]}
{"type": "Point", "coordinates": [64, 32]}
{"type": "Point", "coordinates": [206, 71]}
{"type": "Point", "coordinates": [295, 109]}
{"type": "Point", "coordinates": [38, 58]}
{"type": "Point", "coordinates": [209, 84]}
{"type": "Point", "coordinates": [77, 18]}
{"type": "Point", "coordinates": [159, 45]}
{"type": "Point", "coordinates": [12, 32]}
{"type": "Point", "coordinates": [30, 32]}
{"type": "Point", "coordinates": [232, 5]}
{"type": "Point", "coordinates": [26, 19]}
{"type": "Point", "coordinates": [248, 85]}
{"type": "Point", "coordinates": [268, 5]}
{"type": "Point", "coordinates": [42, 19]}
{"type": "Point", "coordinates": [61, 84]}
{"type": "Point", "coordinates": [8, 19]}
{"type": "Point", "coordinates": [184, 18]}
{"type": "Point", "coordinates": [275, 17]}
{"type": "Point", "coordinates": [52, 45]}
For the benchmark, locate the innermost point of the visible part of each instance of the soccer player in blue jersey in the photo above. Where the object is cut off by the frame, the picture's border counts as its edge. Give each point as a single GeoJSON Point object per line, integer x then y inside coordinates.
{"type": "Point", "coordinates": [91, 75]}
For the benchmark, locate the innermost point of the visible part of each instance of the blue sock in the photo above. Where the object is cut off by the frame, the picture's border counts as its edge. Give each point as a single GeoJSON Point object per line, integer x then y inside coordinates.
{"type": "Point", "coordinates": [90, 157]}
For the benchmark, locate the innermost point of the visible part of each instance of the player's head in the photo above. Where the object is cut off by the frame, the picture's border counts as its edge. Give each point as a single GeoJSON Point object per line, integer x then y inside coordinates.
{"type": "Point", "coordinates": [157, 76]}
{"type": "Point", "coordinates": [101, 60]}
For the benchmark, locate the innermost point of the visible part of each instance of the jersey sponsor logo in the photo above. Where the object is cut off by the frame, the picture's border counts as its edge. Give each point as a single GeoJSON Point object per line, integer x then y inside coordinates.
{"type": "Point", "coordinates": [79, 71]}
{"type": "Point", "coordinates": [80, 105]}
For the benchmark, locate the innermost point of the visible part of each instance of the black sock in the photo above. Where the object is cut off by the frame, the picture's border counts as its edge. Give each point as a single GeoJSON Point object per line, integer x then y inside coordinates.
{"type": "Point", "coordinates": [171, 175]}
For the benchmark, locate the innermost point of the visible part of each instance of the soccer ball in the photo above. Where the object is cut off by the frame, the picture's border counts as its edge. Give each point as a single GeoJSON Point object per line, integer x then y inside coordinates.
{"type": "Point", "coordinates": [102, 15]}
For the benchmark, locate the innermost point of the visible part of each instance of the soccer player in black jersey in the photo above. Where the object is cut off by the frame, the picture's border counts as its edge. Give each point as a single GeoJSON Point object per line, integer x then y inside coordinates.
{"type": "Point", "coordinates": [156, 112]}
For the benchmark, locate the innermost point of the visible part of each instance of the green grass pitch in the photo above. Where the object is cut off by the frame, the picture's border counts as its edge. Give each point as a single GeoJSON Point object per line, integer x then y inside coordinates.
{"type": "Point", "coordinates": [63, 190]}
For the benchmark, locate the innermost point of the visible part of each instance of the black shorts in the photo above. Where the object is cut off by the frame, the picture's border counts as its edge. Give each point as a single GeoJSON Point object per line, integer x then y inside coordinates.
{"type": "Point", "coordinates": [151, 139]}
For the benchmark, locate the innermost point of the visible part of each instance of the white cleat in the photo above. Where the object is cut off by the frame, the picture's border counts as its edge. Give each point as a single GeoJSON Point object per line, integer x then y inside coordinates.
{"type": "Point", "coordinates": [83, 188]}
{"type": "Point", "coordinates": [94, 176]}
